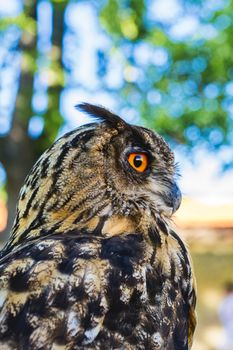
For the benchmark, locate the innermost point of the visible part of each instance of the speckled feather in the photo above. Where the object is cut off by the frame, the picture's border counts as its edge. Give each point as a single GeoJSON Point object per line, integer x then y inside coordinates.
{"type": "Point", "coordinates": [92, 262]}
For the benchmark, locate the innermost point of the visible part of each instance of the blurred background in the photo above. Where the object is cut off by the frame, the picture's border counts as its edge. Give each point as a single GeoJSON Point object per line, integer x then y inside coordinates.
{"type": "Point", "coordinates": [167, 65]}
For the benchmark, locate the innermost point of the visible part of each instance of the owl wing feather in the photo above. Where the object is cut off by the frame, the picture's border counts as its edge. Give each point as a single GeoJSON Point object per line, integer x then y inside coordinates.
{"type": "Point", "coordinates": [58, 290]}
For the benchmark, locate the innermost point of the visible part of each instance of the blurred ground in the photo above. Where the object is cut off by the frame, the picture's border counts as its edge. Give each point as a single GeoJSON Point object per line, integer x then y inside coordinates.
{"type": "Point", "coordinates": [208, 231]}
{"type": "Point", "coordinates": [212, 268]}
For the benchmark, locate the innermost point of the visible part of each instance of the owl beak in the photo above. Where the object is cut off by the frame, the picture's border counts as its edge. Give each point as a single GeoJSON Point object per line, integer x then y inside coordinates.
{"type": "Point", "coordinates": [176, 197]}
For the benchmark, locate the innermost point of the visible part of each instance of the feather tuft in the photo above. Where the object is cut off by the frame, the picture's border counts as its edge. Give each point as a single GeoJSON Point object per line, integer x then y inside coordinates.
{"type": "Point", "coordinates": [102, 114]}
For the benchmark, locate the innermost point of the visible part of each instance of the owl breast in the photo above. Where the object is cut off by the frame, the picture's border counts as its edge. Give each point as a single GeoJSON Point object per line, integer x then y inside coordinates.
{"type": "Point", "coordinates": [86, 292]}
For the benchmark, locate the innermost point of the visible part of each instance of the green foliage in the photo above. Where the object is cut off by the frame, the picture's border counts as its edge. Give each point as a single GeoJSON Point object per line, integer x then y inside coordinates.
{"type": "Point", "coordinates": [186, 96]}
{"type": "Point", "coordinates": [3, 194]}
{"type": "Point", "coordinates": [22, 21]}
{"type": "Point", "coordinates": [60, 1]}
{"type": "Point", "coordinates": [123, 19]}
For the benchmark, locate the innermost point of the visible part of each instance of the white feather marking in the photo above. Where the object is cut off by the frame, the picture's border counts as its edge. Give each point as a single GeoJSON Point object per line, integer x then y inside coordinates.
{"type": "Point", "coordinates": [157, 340]}
{"type": "Point", "coordinates": [3, 295]}
{"type": "Point", "coordinates": [73, 324]}
{"type": "Point", "coordinates": [91, 334]}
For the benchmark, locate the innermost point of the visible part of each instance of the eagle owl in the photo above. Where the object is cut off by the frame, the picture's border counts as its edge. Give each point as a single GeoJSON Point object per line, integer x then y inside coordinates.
{"type": "Point", "coordinates": [92, 262]}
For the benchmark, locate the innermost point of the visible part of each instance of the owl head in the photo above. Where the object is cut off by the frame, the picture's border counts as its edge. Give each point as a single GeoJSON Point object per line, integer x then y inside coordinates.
{"type": "Point", "coordinates": [107, 169]}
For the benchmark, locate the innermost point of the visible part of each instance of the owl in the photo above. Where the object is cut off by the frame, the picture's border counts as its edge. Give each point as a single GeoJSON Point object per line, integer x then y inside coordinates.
{"type": "Point", "coordinates": [92, 261]}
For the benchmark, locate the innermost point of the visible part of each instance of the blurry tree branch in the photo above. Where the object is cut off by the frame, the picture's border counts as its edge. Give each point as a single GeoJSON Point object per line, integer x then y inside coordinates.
{"type": "Point", "coordinates": [52, 118]}
{"type": "Point", "coordinates": [18, 151]}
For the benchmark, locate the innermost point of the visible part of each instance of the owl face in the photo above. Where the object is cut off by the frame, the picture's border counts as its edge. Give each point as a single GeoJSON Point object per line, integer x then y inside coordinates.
{"type": "Point", "coordinates": [139, 171]}
{"type": "Point", "coordinates": [99, 170]}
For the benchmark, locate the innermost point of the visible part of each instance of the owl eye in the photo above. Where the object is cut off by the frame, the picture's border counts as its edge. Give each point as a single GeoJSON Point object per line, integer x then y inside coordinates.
{"type": "Point", "coordinates": [138, 161]}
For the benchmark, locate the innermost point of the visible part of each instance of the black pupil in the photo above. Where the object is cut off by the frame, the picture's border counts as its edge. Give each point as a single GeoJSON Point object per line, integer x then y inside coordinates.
{"type": "Point", "coordinates": [137, 161]}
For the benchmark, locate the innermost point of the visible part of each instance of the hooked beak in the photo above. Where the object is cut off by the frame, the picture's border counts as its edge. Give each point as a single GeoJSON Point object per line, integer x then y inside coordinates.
{"type": "Point", "coordinates": [175, 197]}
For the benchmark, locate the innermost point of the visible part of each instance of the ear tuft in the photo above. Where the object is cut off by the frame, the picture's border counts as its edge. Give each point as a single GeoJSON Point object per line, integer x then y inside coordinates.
{"type": "Point", "coordinates": [102, 114]}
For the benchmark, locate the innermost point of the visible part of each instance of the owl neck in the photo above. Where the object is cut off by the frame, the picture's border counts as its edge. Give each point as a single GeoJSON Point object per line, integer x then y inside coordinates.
{"type": "Point", "coordinates": [104, 224]}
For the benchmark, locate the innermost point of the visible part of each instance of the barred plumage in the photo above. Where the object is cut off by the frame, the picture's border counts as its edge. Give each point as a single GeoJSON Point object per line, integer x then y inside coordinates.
{"type": "Point", "coordinates": [92, 262]}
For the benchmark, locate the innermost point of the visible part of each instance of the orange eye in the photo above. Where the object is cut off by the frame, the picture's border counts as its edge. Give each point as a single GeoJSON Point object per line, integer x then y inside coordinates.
{"type": "Point", "coordinates": [138, 161]}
